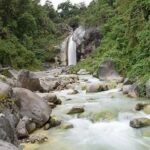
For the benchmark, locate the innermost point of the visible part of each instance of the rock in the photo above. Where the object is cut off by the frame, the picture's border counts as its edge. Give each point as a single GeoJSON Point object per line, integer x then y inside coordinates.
{"type": "Point", "coordinates": [140, 106]}
{"type": "Point", "coordinates": [38, 138]}
{"type": "Point", "coordinates": [76, 109]}
{"type": "Point", "coordinates": [7, 132]}
{"type": "Point", "coordinates": [131, 90]}
{"type": "Point", "coordinates": [47, 126]}
{"type": "Point", "coordinates": [32, 106]}
{"type": "Point", "coordinates": [134, 91]}
{"type": "Point", "coordinates": [82, 72]}
{"type": "Point", "coordinates": [73, 92]}
{"type": "Point", "coordinates": [127, 81]}
{"type": "Point", "coordinates": [31, 126]}
{"type": "Point", "coordinates": [5, 90]}
{"type": "Point", "coordinates": [126, 89]}
{"type": "Point", "coordinates": [54, 122]}
{"type": "Point", "coordinates": [146, 109]}
{"type": "Point", "coordinates": [96, 87]}
{"type": "Point", "coordinates": [107, 71]}
{"type": "Point", "coordinates": [7, 146]}
{"type": "Point", "coordinates": [52, 98]}
{"type": "Point", "coordinates": [49, 84]}
{"type": "Point", "coordinates": [21, 128]}
{"type": "Point", "coordinates": [66, 126]}
{"type": "Point", "coordinates": [140, 122]}
{"type": "Point", "coordinates": [103, 115]}
{"type": "Point", "coordinates": [29, 80]}
{"type": "Point", "coordinates": [148, 89]}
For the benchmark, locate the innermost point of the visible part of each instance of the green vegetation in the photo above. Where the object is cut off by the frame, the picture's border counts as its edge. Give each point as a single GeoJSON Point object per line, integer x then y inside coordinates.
{"type": "Point", "coordinates": [125, 26]}
{"type": "Point", "coordinates": [28, 32]}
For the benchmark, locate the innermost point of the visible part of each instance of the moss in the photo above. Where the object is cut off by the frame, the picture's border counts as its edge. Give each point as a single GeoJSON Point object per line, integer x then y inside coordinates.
{"type": "Point", "coordinates": [103, 115]}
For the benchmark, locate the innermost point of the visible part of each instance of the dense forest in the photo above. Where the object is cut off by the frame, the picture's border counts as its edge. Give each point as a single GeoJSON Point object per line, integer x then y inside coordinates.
{"type": "Point", "coordinates": [29, 32]}
{"type": "Point", "coordinates": [125, 26]}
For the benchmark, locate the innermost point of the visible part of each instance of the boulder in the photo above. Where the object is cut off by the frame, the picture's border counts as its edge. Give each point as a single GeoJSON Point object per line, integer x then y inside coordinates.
{"type": "Point", "coordinates": [148, 89]}
{"type": "Point", "coordinates": [140, 122]}
{"type": "Point", "coordinates": [28, 80]}
{"type": "Point", "coordinates": [127, 81]}
{"type": "Point", "coordinates": [7, 146]}
{"type": "Point", "coordinates": [83, 72]}
{"type": "Point", "coordinates": [52, 98]}
{"type": "Point", "coordinates": [5, 89]}
{"type": "Point", "coordinates": [146, 109]}
{"type": "Point", "coordinates": [76, 110]}
{"type": "Point", "coordinates": [37, 138]}
{"type": "Point", "coordinates": [32, 106]}
{"type": "Point", "coordinates": [96, 87]}
{"type": "Point", "coordinates": [134, 91]}
{"type": "Point", "coordinates": [66, 126]}
{"type": "Point", "coordinates": [21, 128]}
{"type": "Point", "coordinates": [107, 71]}
{"type": "Point", "coordinates": [140, 106]}
{"type": "Point", "coordinates": [7, 132]}
{"type": "Point", "coordinates": [131, 90]}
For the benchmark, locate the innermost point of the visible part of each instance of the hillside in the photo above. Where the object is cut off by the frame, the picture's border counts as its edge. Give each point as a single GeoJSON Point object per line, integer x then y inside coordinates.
{"type": "Point", "coordinates": [125, 27]}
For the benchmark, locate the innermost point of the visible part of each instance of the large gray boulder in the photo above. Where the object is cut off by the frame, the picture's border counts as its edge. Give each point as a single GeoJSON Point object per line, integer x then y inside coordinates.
{"type": "Point", "coordinates": [107, 71]}
{"type": "Point", "coordinates": [7, 132]}
{"type": "Point", "coordinates": [7, 146]}
{"type": "Point", "coordinates": [29, 80]}
{"type": "Point", "coordinates": [148, 89]}
{"type": "Point", "coordinates": [5, 89]}
{"type": "Point", "coordinates": [32, 106]}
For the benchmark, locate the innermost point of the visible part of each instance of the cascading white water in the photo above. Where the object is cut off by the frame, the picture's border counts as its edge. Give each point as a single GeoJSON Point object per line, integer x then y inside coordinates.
{"type": "Point", "coordinates": [72, 54]}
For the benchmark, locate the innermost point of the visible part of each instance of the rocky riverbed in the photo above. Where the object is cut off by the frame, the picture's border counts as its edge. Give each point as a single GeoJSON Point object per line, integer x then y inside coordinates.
{"type": "Point", "coordinates": [55, 110]}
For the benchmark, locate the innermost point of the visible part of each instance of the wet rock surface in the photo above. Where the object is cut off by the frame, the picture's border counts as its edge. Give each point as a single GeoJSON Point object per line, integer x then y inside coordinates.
{"type": "Point", "coordinates": [7, 146]}
{"type": "Point", "coordinates": [32, 106]}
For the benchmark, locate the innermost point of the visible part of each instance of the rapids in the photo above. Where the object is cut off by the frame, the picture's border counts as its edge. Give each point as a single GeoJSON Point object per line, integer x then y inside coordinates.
{"type": "Point", "coordinates": [101, 134]}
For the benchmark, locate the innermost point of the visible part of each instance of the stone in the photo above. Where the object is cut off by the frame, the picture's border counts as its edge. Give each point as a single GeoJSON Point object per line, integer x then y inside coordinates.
{"type": "Point", "coordinates": [96, 87]}
{"type": "Point", "coordinates": [131, 90]}
{"type": "Point", "coordinates": [83, 72]}
{"type": "Point", "coordinates": [66, 126]}
{"type": "Point", "coordinates": [38, 138]}
{"type": "Point", "coordinates": [7, 132]}
{"type": "Point", "coordinates": [32, 106]}
{"type": "Point", "coordinates": [146, 109]}
{"type": "Point", "coordinates": [140, 122]}
{"type": "Point", "coordinates": [52, 98]}
{"type": "Point", "coordinates": [5, 89]}
{"type": "Point", "coordinates": [7, 146]}
{"type": "Point", "coordinates": [134, 91]}
{"type": "Point", "coordinates": [21, 128]}
{"type": "Point", "coordinates": [140, 106]}
{"type": "Point", "coordinates": [54, 122]}
{"type": "Point", "coordinates": [126, 89]}
{"type": "Point", "coordinates": [73, 92]}
{"type": "Point", "coordinates": [148, 89]}
{"type": "Point", "coordinates": [76, 110]}
{"type": "Point", "coordinates": [29, 80]}
{"type": "Point", "coordinates": [107, 71]}
{"type": "Point", "coordinates": [47, 126]}
{"type": "Point", "coordinates": [127, 81]}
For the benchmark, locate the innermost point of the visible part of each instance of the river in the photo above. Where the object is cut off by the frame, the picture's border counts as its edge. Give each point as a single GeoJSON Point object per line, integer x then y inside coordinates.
{"type": "Point", "coordinates": [103, 126]}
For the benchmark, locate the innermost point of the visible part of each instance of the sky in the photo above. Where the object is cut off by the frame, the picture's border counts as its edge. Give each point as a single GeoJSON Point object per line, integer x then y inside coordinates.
{"type": "Point", "coordinates": [56, 2]}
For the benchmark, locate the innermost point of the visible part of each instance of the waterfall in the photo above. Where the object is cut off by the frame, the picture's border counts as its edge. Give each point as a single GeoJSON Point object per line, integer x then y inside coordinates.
{"type": "Point", "coordinates": [72, 54]}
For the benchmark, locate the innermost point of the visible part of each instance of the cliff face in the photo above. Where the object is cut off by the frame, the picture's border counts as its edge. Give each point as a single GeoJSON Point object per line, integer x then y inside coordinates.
{"type": "Point", "coordinates": [85, 38]}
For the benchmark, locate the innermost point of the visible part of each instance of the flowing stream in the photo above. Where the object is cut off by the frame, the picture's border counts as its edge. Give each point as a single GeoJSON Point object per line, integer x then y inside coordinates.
{"type": "Point", "coordinates": [72, 56]}
{"type": "Point", "coordinates": [103, 126]}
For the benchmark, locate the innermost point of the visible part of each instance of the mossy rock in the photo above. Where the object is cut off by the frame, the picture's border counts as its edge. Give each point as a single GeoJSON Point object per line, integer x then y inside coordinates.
{"type": "Point", "coordinates": [103, 115]}
{"type": "Point", "coordinates": [66, 126]}
{"type": "Point", "coordinates": [147, 109]}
